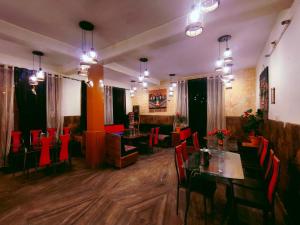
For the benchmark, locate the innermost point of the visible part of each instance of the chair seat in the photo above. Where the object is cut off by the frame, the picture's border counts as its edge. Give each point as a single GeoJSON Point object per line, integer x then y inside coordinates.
{"type": "Point", "coordinates": [252, 198]}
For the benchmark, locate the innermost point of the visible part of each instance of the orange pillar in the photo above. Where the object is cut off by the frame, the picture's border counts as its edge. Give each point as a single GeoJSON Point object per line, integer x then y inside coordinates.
{"type": "Point", "coordinates": [95, 135]}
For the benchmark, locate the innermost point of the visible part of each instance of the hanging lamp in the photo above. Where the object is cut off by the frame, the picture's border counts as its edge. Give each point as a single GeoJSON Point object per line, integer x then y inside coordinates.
{"type": "Point", "coordinates": [208, 6]}
{"type": "Point", "coordinates": [194, 25]}
{"type": "Point", "coordinates": [88, 56]}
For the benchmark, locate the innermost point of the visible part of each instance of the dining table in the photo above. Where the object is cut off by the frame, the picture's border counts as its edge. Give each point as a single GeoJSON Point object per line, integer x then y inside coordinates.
{"type": "Point", "coordinates": [222, 166]}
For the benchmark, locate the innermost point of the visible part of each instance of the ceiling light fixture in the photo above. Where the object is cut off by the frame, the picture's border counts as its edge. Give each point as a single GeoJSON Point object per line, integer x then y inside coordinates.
{"type": "Point", "coordinates": [173, 84]}
{"type": "Point", "coordinates": [133, 88]}
{"type": "Point", "coordinates": [225, 65]}
{"type": "Point", "coordinates": [194, 25]}
{"type": "Point", "coordinates": [101, 83]}
{"type": "Point", "coordinates": [90, 83]}
{"type": "Point", "coordinates": [208, 6]}
{"type": "Point", "coordinates": [144, 67]}
{"type": "Point", "coordinates": [40, 75]}
{"type": "Point", "coordinates": [88, 57]}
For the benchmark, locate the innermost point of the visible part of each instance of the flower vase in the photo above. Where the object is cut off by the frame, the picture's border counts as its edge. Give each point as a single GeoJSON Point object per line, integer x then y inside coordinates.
{"type": "Point", "coordinates": [220, 142]}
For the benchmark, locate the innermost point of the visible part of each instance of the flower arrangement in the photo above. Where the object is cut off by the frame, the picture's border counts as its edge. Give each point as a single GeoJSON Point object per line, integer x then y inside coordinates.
{"type": "Point", "coordinates": [180, 119]}
{"type": "Point", "coordinates": [252, 121]}
{"type": "Point", "coordinates": [219, 134]}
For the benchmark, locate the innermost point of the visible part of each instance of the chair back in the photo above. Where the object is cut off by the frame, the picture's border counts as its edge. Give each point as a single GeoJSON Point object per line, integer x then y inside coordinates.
{"type": "Point", "coordinates": [260, 145]}
{"type": "Point", "coordinates": [196, 140]}
{"type": "Point", "coordinates": [156, 135]}
{"type": "Point", "coordinates": [274, 180]}
{"type": "Point", "coordinates": [264, 151]}
{"type": "Point", "coordinates": [66, 130]}
{"type": "Point", "coordinates": [185, 155]}
{"type": "Point", "coordinates": [179, 163]}
{"type": "Point", "coordinates": [270, 164]}
{"type": "Point", "coordinates": [45, 152]}
{"type": "Point", "coordinates": [52, 134]}
{"type": "Point", "coordinates": [16, 141]}
{"type": "Point", "coordinates": [64, 148]}
{"type": "Point", "coordinates": [151, 137]}
{"type": "Point", "coordinates": [35, 137]}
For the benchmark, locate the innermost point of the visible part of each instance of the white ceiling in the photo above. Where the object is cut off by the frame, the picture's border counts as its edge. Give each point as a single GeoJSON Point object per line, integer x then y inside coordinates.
{"type": "Point", "coordinates": [129, 29]}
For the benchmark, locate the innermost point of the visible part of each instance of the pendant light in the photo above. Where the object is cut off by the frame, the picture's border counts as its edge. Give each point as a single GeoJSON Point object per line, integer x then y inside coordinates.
{"type": "Point", "coordinates": [194, 21]}
{"type": "Point", "coordinates": [172, 85]}
{"type": "Point", "coordinates": [220, 62]}
{"type": "Point", "coordinates": [228, 53]}
{"type": "Point", "coordinates": [88, 56]}
{"type": "Point", "coordinates": [144, 73]}
{"type": "Point", "coordinates": [144, 62]}
{"type": "Point", "coordinates": [208, 6]}
{"type": "Point", "coordinates": [133, 88]}
{"type": "Point", "coordinates": [40, 75]}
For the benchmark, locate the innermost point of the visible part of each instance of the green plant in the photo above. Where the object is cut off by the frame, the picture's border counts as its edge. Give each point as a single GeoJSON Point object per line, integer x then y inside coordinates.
{"type": "Point", "coordinates": [179, 119]}
{"type": "Point", "coordinates": [252, 121]}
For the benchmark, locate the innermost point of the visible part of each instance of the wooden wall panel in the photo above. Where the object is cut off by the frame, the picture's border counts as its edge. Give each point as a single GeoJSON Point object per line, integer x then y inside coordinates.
{"type": "Point", "coordinates": [285, 141]}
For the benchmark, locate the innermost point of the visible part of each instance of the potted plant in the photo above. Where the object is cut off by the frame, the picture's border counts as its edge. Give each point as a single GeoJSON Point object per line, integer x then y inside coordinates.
{"type": "Point", "coordinates": [252, 123]}
{"type": "Point", "coordinates": [180, 121]}
{"type": "Point", "coordinates": [220, 135]}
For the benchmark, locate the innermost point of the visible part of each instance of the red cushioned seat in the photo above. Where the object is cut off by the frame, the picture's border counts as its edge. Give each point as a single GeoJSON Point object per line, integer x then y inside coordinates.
{"type": "Point", "coordinates": [114, 128]}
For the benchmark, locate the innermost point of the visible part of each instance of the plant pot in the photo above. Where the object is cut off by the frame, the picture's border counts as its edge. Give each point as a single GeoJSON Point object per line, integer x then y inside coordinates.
{"type": "Point", "coordinates": [177, 129]}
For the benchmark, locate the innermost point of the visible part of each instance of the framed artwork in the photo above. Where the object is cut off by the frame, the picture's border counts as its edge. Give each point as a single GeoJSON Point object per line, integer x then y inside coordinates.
{"type": "Point", "coordinates": [273, 95]}
{"type": "Point", "coordinates": [264, 91]}
{"type": "Point", "coordinates": [158, 100]}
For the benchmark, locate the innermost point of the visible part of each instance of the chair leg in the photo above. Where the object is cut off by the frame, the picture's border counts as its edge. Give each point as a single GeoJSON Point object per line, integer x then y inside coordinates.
{"type": "Point", "coordinates": [265, 217]}
{"type": "Point", "coordinates": [187, 192]}
{"type": "Point", "coordinates": [177, 202]}
{"type": "Point", "coordinates": [205, 210]}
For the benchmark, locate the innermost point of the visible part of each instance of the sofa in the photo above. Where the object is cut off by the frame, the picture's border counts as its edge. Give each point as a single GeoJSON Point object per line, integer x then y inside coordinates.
{"type": "Point", "coordinates": [118, 154]}
{"type": "Point", "coordinates": [165, 124]}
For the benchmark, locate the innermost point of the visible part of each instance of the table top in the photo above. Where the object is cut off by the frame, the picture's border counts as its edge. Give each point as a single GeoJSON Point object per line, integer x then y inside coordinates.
{"type": "Point", "coordinates": [222, 164]}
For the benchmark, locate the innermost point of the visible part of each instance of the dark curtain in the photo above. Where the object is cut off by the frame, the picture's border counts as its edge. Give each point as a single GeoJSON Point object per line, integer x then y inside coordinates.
{"type": "Point", "coordinates": [197, 90]}
{"type": "Point", "coordinates": [30, 107]}
{"type": "Point", "coordinates": [83, 117]}
{"type": "Point", "coordinates": [119, 105]}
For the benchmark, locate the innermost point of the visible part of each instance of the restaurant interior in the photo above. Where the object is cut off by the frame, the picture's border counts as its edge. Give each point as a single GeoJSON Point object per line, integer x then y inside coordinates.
{"type": "Point", "coordinates": [163, 112]}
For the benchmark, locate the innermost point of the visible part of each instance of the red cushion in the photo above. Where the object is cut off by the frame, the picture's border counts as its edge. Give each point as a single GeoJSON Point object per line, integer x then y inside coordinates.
{"type": "Point", "coordinates": [185, 134]}
{"type": "Point", "coordinates": [180, 164]}
{"type": "Point", "coordinates": [64, 148]}
{"type": "Point", "coordinates": [114, 128]}
{"type": "Point", "coordinates": [274, 179]}
{"type": "Point", "coordinates": [45, 152]}
{"type": "Point", "coordinates": [16, 140]}
{"type": "Point", "coordinates": [151, 138]}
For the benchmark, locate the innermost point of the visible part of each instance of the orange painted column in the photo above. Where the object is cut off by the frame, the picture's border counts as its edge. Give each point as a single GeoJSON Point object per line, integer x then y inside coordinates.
{"type": "Point", "coordinates": [95, 135]}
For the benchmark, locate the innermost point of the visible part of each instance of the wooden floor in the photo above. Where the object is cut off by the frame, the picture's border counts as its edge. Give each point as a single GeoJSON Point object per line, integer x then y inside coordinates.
{"type": "Point", "coordinates": [141, 194]}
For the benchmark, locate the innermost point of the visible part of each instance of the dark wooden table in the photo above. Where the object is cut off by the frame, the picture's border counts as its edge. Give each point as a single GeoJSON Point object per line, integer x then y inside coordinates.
{"type": "Point", "coordinates": [224, 166]}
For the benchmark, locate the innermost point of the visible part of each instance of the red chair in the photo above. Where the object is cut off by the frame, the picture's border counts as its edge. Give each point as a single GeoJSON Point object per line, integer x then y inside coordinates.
{"type": "Point", "coordinates": [45, 159]}
{"type": "Point", "coordinates": [52, 134]}
{"type": "Point", "coordinates": [199, 185]}
{"type": "Point", "coordinates": [64, 148]}
{"type": "Point", "coordinates": [66, 130]}
{"type": "Point", "coordinates": [35, 137]}
{"type": "Point", "coordinates": [196, 141]}
{"type": "Point", "coordinates": [263, 200]}
{"type": "Point", "coordinates": [16, 141]}
{"type": "Point", "coordinates": [185, 154]}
